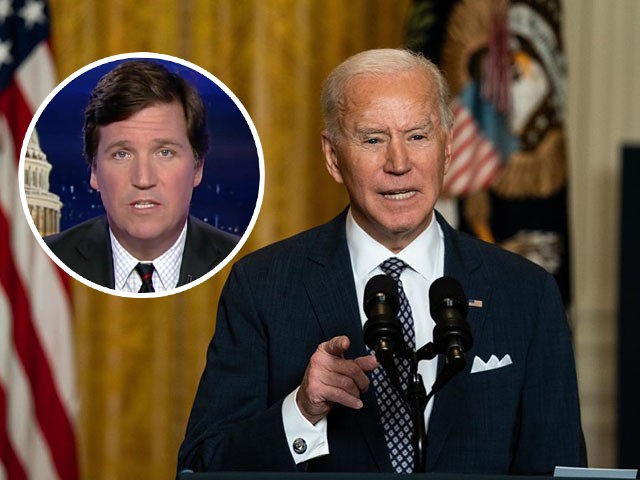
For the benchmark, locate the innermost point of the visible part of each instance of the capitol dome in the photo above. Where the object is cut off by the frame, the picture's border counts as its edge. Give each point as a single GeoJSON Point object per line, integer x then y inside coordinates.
{"type": "Point", "coordinates": [44, 206]}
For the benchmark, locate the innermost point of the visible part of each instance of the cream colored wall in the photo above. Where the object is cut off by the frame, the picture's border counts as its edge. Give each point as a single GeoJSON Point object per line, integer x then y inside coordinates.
{"type": "Point", "coordinates": [603, 54]}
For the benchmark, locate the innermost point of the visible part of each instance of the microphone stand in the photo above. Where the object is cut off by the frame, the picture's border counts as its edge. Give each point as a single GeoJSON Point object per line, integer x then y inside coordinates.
{"type": "Point", "coordinates": [418, 399]}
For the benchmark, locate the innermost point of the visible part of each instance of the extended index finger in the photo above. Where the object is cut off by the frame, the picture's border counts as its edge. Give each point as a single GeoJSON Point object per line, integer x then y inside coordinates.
{"type": "Point", "coordinates": [337, 346]}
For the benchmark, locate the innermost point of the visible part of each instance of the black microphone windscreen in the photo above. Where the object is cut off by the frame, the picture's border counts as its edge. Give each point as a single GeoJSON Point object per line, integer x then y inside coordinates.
{"type": "Point", "coordinates": [446, 291]}
{"type": "Point", "coordinates": [381, 285]}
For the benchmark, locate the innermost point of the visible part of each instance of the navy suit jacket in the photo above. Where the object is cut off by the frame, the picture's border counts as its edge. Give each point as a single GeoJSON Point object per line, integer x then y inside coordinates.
{"type": "Point", "coordinates": [281, 302]}
{"type": "Point", "coordinates": [86, 249]}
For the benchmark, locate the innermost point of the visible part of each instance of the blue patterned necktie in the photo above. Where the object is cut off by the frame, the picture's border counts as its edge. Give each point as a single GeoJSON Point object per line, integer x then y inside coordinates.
{"type": "Point", "coordinates": [394, 411]}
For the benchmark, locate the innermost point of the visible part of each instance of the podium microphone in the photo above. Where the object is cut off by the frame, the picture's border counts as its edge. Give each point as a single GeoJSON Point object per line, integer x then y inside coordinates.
{"type": "Point", "coordinates": [382, 330]}
{"type": "Point", "coordinates": [452, 334]}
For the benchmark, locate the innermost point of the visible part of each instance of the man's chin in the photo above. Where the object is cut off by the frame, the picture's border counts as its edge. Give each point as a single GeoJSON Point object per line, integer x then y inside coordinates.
{"type": "Point", "coordinates": [152, 243]}
{"type": "Point", "coordinates": [405, 227]}
{"type": "Point", "coordinates": [404, 232]}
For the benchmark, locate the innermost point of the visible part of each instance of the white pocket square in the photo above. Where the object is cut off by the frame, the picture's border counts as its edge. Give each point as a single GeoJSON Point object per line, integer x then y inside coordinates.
{"type": "Point", "coordinates": [480, 366]}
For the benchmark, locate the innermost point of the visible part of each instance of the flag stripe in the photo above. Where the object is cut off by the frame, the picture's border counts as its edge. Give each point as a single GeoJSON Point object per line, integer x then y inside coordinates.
{"type": "Point", "coordinates": [22, 429]}
{"type": "Point", "coordinates": [52, 317]}
{"type": "Point", "coordinates": [488, 168]}
{"type": "Point", "coordinates": [49, 411]}
{"type": "Point", "coordinates": [12, 466]}
{"type": "Point", "coordinates": [15, 109]}
{"type": "Point", "coordinates": [465, 160]}
{"type": "Point", "coordinates": [34, 75]}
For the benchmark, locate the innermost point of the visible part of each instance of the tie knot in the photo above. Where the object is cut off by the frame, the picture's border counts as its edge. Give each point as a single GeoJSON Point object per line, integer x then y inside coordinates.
{"type": "Point", "coordinates": [145, 270]}
{"type": "Point", "coordinates": [393, 266]}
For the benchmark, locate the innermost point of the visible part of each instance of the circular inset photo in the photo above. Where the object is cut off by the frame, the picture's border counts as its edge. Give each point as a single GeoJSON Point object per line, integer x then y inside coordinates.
{"type": "Point", "coordinates": [141, 175]}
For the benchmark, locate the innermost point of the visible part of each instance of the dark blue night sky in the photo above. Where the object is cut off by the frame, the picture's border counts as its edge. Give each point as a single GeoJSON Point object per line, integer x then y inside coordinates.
{"type": "Point", "coordinates": [227, 196]}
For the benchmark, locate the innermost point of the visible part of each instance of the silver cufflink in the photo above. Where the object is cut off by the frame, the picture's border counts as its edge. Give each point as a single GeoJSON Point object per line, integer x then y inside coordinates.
{"type": "Point", "coordinates": [299, 446]}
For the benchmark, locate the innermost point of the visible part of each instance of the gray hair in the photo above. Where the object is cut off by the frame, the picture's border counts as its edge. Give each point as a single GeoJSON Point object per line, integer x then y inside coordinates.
{"type": "Point", "coordinates": [379, 62]}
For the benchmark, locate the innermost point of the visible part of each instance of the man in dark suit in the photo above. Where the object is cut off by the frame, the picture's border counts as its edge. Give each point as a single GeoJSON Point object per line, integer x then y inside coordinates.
{"type": "Point", "coordinates": [86, 249]}
{"type": "Point", "coordinates": [289, 383]}
{"type": "Point", "coordinates": [145, 138]}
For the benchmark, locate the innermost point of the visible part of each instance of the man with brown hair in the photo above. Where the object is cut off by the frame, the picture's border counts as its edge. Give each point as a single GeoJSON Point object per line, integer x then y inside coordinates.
{"type": "Point", "coordinates": [145, 139]}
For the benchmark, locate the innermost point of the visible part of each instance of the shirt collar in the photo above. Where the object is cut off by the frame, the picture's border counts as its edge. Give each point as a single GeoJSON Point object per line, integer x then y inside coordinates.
{"type": "Point", "coordinates": [167, 265]}
{"type": "Point", "coordinates": [367, 254]}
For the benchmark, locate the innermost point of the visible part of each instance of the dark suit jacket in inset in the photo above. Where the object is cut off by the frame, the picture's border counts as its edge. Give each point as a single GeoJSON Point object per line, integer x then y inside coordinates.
{"type": "Point", "coordinates": [280, 302]}
{"type": "Point", "coordinates": [86, 249]}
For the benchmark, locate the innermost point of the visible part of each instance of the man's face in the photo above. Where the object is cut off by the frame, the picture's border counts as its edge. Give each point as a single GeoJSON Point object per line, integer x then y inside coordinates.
{"type": "Point", "coordinates": [391, 156]}
{"type": "Point", "coordinates": [145, 171]}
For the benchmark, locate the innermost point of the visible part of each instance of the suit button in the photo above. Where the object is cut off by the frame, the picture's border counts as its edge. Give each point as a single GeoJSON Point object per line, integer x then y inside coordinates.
{"type": "Point", "coordinates": [299, 446]}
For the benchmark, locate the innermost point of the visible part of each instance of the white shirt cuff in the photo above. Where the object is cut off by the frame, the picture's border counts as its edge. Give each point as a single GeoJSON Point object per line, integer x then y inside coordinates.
{"type": "Point", "coordinates": [305, 440]}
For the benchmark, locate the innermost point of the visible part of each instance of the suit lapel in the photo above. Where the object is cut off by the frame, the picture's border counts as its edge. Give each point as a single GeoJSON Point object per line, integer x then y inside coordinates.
{"type": "Point", "coordinates": [463, 263]}
{"type": "Point", "coordinates": [199, 257]}
{"type": "Point", "coordinates": [94, 250]}
{"type": "Point", "coordinates": [330, 286]}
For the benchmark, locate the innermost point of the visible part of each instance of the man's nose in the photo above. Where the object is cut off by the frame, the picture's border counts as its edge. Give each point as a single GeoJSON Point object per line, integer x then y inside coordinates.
{"type": "Point", "coordinates": [143, 172]}
{"type": "Point", "coordinates": [397, 161]}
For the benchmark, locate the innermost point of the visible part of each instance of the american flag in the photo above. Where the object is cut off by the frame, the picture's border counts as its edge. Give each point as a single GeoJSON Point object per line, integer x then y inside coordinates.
{"type": "Point", "coordinates": [475, 162]}
{"type": "Point", "coordinates": [37, 382]}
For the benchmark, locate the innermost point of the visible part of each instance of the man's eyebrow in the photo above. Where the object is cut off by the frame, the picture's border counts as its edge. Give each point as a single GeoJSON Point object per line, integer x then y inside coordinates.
{"type": "Point", "coordinates": [427, 125]}
{"type": "Point", "coordinates": [363, 131]}
{"type": "Point", "coordinates": [118, 144]}
{"type": "Point", "coordinates": [167, 141]}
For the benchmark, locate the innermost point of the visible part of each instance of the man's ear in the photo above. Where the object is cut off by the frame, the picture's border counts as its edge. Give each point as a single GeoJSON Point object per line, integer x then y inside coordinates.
{"type": "Point", "coordinates": [93, 180]}
{"type": "Point", "coordinates": [447, 152]}
{"type": "Point", "coordinates": [331, 158]}
{"type": "Point", "coordinates": [199, 168]}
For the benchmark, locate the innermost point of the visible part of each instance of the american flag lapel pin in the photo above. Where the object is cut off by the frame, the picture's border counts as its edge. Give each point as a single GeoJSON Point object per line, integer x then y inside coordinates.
{"type": "Point", "coordinates": [475, 303]}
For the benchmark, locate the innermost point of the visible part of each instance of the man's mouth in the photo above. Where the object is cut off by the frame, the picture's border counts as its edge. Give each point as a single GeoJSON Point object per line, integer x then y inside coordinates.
{"type": "Point", "coordinates": [143, 204]}
{"type": "Point", "coordinates": [399, 194]}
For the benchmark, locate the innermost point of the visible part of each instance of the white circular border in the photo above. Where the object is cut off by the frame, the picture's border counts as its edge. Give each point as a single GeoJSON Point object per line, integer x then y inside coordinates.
{"type": "Point", "coordinates": [126, 56]}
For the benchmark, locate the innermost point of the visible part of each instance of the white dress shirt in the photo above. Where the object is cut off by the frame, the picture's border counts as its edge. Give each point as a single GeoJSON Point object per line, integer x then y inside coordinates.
{"type": "Point", "coordinates": [166, 267]}
{"type": "Point", "coordinates": [425, 257]}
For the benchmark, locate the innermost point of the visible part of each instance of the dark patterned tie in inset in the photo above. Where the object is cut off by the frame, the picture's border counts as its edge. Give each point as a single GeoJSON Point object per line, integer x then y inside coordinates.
{"type": "Point", "coordinates": [394, 411]}
{"type": "Point", "coordinates": [145, 270]}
